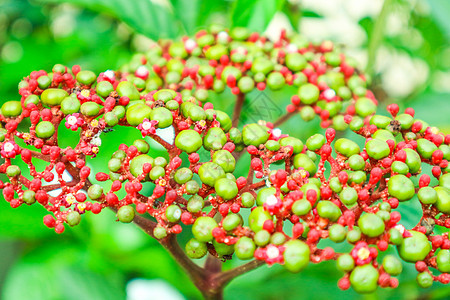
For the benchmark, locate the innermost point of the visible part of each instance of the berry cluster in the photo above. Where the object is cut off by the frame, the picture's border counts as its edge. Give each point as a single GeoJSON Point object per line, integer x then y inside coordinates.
{"type": "Point", "coordinates": [325, 188]}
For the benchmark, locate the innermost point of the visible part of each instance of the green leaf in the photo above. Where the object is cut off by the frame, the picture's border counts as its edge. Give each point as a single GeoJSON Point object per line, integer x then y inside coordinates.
{"type": "Point", "coordinates": [146, 17]}
{"type": "Point", "coordinates": [58, 272]}
{"type": "Point", "coordinates": [187, 12]}
{"type": "Point", "coordinates": [255, 15]}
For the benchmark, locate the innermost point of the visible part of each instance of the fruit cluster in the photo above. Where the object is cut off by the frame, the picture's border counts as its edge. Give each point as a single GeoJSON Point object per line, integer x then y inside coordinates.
{"type": "Point", "coordinates": [295, 195]}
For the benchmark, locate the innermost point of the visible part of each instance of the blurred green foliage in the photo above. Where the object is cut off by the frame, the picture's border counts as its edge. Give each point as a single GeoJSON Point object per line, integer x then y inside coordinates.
{"type": "Point", "coordinates": [96, 259]}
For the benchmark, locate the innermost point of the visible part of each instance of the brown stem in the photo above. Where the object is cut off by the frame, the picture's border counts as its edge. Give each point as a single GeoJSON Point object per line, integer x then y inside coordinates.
{"type": "Point", "coordinates": [213, 264]}
{"type": "Point", "coordinates": [283, 119]}
{"type": "Point", "coordinates": [227, 276]}
{"type": "Point", "coordinates": [237, 109]}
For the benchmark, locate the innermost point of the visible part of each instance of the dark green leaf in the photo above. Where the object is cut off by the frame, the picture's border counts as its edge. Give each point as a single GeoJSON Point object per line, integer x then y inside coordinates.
{"type": "Point", "coordinates": [152, 20]}
{"type": "Point", "coordinates": [255, 15]}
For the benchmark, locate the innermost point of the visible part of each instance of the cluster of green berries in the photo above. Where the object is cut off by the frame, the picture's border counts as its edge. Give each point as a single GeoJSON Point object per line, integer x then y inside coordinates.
{"type": "Point", "coordinates": [325, 187]}
{"type": "Point", "coordinates": [328, 83]}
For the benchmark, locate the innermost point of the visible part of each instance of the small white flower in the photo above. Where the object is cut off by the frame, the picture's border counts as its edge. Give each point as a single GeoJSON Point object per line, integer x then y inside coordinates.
{"type": "Point", "coordinates": [272, 252]}
{"type": "Point", "coordinates": [276, 132]}
{"type": "Point", "coordinates": [329, 93]}
{"type": "Point", "coordinates": [222, 36]}
{"type": "Point", "coordinates": [272, 200]}
{"type": "Point", "coordinates": [96, 140]}
{"type": "Point", "coordinates": [190, 44]}
{"type": "Point", "coordinates": [142, 71]}
{"type": "Point", "coordinates": [72, 120]}
{"type": "Point", "coordinates": [110, 74]}
{"type": "Point", "coordinates": [8, 147]}
{"type": "Point", "coordinates": [400, 228]}
{"type": "Point", "coordinates": [291, 48]}
{"type": "Point", "coordinates": [146, 125]}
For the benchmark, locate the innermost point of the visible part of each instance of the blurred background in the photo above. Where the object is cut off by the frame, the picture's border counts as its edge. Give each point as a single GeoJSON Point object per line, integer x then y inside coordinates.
{"type": "Point", "coordinates": [404, 45]}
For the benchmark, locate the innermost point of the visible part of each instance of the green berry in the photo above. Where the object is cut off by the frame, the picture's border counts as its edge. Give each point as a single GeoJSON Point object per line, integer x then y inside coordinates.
{"type": "Point", "coordinates": [427, 195]}
{"type": "Point", "coordinates": [188, 141]}
{"type": "Point", "coordinates": [125, 214]}
{"type": "Point", "coordinates": [224, 159]}
{"type": "Point", "coordinates": [345, 262]}
{"type": "Point", "coordinates": [137, 113]}
{"type": "Point", "coordinates": [137, 164]}
{"type": "Point", "coordinates": [231, 221]}
{"type": "Point", "coordinates": [307, 113]}
{"type": "Point", "coordinates": [13, 171]}
{"type": "Point", "coordinates": [295, 62]}
{"type": "Point", "coordinates": [401, 187]}
{"type": "Point", "coordinates": [173, 213]}
{"type": "Point", "coordinates": [443, 199]}
{"type": "Point", "coordinates": [195, 204]}
{"type": "Point", "coordinates": [104, 88]}
{"type": "Point", "coordinates": [400, 167]}
{"type": "Point", "coordinates": [111, 119]}
{"type": "Point", "coordinates": [257, 218]}
{"type": "Point", "coordinates": [196, 249]}
{"type": "Point", "coordinates": [262, 65]}
{"type": "Point", "coordinates": [73, 218]}
{"type": "Point", "coordinates": [275, 81]}
{"type": "Point", "coordinates": [142, 146]}
{"type": "Point", "coordinates": [214, 139]}
{"type": "Point", "coordinates": [346, 147]}
{"type": "Point", "coordinates": [356, 162]}
{"type": "Point", "coordinates": [159, 232]}
{"type": "Point", "coordinates": [210, 172]}
{"type": "Point", "coordinates": [392, 265]}
{"type": "Point", "coordinates": [414, 248]}
{"type": "Point", "coordinates": [296, 255]}
{"type": "Point", "coordinates": [11, 109]}
{"type": "Point", "coordinates": [244, 248]}
{"type": "Point", "coordinates": [364, 279]}
{"type": "Point", "coordinates": [53, 97]}
{"type": "Point", "coordinates": [255, 134]}
{"type": "Point", "coordinates": [126, 88]}
{"type": "Point", "coordinates": [377, 149]}
{"type": "Point", "coordinates": [301, 207]}
{"type": "Point", "coordinates": [337, 233]}
{"type": "Point", "coordinates": [157, 172]}
{"type": "Point", "coordinates": [86, 77]}
{"type": "Point", "coordinates": [182, 175]}
{"type": "Point", "coordinates": [203, 227]}
{"type": "Point", "coordinates": [425, 148]}
{"type": "Point", "coordinates": [246, 84]}
{"type": "Point", "coordinates": [424, 280]}
{"type": "Point", "coordinates": [328, 210]}
{"type": "Point", "coordinates": [395, 237]}
{"type": "Point", "coordinates": [262, 238]}
{"type": "Point", "coordinates": [303, 161]}
{"type": "Point", "coordinates": [365, 107]}
{"type": "Point", "coordinates": [247, 200]}
{"type": "Point", "coordinates": [163, 116]}
{"type": "Point", "coordinates": [222, 248]}
{"type": "Point", "coordinates": [29, 197]}
{"type": "Point", "coordinates": [354, 235]}
{"type": "Point", "coordinates": [45, 130]}
{"type": "Point", "coordinates": [114, 164]}
{"type": "Point", "coordinates": [295, 143]}
{"type": "Point", "coordinates": [90, 109]}
{"type": "Point", "coordinates": [95, 191]}
{"type": "Point", "coordinates": [348, 196]}
{"type": "Point", "coordinates": [226, 188]}
{"type": "Point", "coordinates": [371, 225]}
{"type": "Point", "coordinates": [192, 187]}
{"type": "Point", "coordinates": [315, 142]}
{"type": "Point", "coordinates": [405, 120]}
{"type": "Point", "coordinates": [308, 93]}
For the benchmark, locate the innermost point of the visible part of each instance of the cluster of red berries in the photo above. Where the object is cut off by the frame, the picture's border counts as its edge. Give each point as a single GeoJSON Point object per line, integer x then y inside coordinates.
{"type": "Point", "coordinates": [327, 188]}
